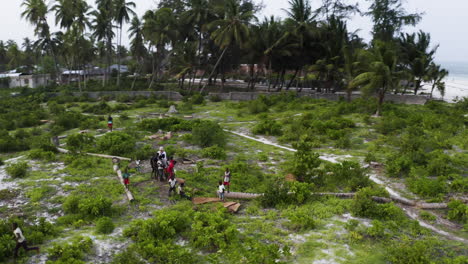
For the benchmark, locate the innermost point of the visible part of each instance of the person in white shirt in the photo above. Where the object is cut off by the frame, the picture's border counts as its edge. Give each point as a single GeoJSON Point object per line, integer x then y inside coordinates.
{"type": "Point", "coordinates": [221, 191]}
{"type": "Point", "coordinates": [227, 179]}
{"type": "Point", "coordinates": [162, 156]}
{"type": "Point", "coordinates": [21, 241]}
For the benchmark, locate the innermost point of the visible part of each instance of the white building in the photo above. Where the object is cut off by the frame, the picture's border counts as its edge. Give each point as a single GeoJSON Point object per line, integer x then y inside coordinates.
{"type": "Point", "coordinates": [26, 80]}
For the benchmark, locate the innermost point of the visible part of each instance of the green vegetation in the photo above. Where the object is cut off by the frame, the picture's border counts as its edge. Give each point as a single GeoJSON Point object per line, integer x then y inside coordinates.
{"type": "Point", "coordinates": [18, 170]}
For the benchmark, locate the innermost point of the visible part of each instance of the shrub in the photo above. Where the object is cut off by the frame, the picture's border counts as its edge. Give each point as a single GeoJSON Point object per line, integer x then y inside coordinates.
{"type": "Point", "coordinates": [425, 215]}
{"type": "Point", "coordinates": [305, 162]}
{"type": "Point", "coordinates": [215, 98]}
{"type": "Point", "coordinates": [256, 107]}
{"type": "Point", "coordinates": [268, 127]}
{"type": "Point", "coordinates": [214, 152]}
{"type": "Point", "coordinates": [87, 206]}
{"type": "Point", "coordinates": [364, 206]}
{"type": "Point", "coordinates": [73, 252]}
{"type": "Point", "coordinates": [116, 143]}
{"type": "Point", "coordinates": [197, 99]}
{"type": "Point", "coordinates": [18, 170]}
{"type": "Point", "coordinates": [346, 175]}
{"type": "Point", "coordinates": [208, 133]}
{"type": "Point", "coordinates": [412, 251]}
{"type": "Point", "coordinates": [79, 142]}
{"type": "Point", "coordinates": [427, 187]}
{"type": "Point", "coordinates": [166, 124]}
{"type": "Point", "coordinates": [213, 230]}
{"type": "Point", "coordinates": [1, 162]}
{"type": "Point", "coordinates": [458, 211]}
{"type": "Point", "coordinates": [276, 193]}
{"type": "Point", "coordinates": [300, 219]}
{"type": "Point", "coordinates": [42, 155]}
{"type": "Point", "coordinates": [104, 225]}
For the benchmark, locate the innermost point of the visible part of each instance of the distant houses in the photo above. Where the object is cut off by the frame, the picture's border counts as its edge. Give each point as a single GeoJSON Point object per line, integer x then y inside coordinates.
{"type": "Point", "coordinates": [13, 79]}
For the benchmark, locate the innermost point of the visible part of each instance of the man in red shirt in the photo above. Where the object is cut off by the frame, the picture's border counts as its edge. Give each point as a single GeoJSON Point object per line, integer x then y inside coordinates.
{"type": "Point", "coordinates": [170, 169]}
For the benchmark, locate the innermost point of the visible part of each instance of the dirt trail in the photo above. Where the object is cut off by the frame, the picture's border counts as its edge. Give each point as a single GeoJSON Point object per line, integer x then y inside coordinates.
{"type": "Point", "coordinates": [412, 212]}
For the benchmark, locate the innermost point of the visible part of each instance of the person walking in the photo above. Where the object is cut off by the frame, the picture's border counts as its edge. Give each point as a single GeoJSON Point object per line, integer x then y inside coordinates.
{"type": "Point", "coordinates": [126, 178]}
{"type": "Point", "coordinates": [110, 123]}
{"type": "Point", "coordinates": [227, 179]}
{"type": "Point", "coordinates": [221, 191]}
{"type": "Point", "coordinates": [21, 241]}
{"type": "Point", "coordinates": [172, 185]}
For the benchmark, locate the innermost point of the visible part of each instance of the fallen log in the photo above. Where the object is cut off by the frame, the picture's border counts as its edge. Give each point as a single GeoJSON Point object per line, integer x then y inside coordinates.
{"type": "Point", "coordinates": [62, 150]}
{"type": "Point", "coordinates": [119, 175]}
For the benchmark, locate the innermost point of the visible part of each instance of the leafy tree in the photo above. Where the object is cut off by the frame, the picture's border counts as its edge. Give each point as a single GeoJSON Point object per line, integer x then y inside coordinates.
{"type": "Point", "coordinates": [116, 143]}
{"type": "Point", "coordinates": [208, 133]}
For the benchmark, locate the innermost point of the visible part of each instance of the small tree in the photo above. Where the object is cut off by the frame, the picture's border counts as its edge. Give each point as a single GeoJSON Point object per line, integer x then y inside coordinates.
{"type": "Point", "coordinates": [208, 133]}
{"type": "Point", "coordinates": [305, 161]}
{"type": "Point", "coordinates": [78, 142]}
{"type": "Point", "coordinates": [116, 143]}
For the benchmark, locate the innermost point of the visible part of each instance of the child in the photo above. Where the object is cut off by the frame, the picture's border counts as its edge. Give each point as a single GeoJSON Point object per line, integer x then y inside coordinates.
{"type": "Point", "coordinates": [227, 179]}
{"type": "Point", "coordinates": [110, 123]}
{"type": "Point", "coordinates": [172, 185]}
{"type": "Point", "coordinates": [181, 191]}
{"type": "Point", "coordinates": [126, 178]}
{"type": "Point", "coordinates": [21, 241]}
{"type": "Point", "coordinates": [221, 191]}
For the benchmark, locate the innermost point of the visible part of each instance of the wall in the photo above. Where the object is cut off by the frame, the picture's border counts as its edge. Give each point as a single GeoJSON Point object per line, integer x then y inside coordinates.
{"type": "Point", "coordinates": [247, 96]}
{"type": "Point", "coordinates": [95, 95]}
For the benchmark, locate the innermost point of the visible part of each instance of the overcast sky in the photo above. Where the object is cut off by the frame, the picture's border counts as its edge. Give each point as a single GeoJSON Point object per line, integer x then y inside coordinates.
{"type": "Point", "coordinates": [445, 20]}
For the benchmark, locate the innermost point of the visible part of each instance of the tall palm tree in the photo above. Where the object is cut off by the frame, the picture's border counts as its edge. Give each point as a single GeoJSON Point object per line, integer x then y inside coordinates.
{"type": "Point", "coordinates": [198, 14]}
{"type": "Point", "coordinates": [103, 29]}
{"type": "Point", "coordinates": [137, 45]}
{"type": "Point", "coordinates": [36, 13]}
{"type": "Point", "coordinates": [233, 29]}
{"type": "Point", "coordinates": [159, 29]}
{"type": "Point", "coordinates": [381, 75]}
{"type": "Point", "coordinates": [123, 10]}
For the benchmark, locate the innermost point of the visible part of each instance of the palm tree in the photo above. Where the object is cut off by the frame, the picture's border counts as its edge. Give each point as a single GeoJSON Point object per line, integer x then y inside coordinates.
{"type": "Point", "coordinates": [436, 75]}
{"type": "Point", "coordinates": [197, 14]}
{"type": "Point", "coordinates": [381, 75]}
{"type": "Point", "coordinates": [416, 56]}
{"type": "Point", "coordinates": [35, 13]}
{"type": "Point", "coordinates": [103, 31]}
{"type": "Point", "coordinates": [233, 29]}
{"type": "Point", "coordinates": [159, 29]}
{"type": "Point", "coordinates": [122, 14]}
{"type": "Point", "coordinates": [137, 46]}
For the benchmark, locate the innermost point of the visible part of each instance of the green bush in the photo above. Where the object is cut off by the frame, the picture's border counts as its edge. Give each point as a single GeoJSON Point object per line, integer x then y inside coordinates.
{"type": "Point", "coordinates": [425, 215]}
{"type": "Point", "coordinates": [214, 152]}
{"type": "Point", "coordinates": [268, 127]}
{"type": "Point", "coordinates": [427, 187]}
{"type": "Point", "coordinates": [300, 219]}
{"type": "Point", "coordinates": [104, 225]}
{"type": "Point", "coordinates": [412, 252]}
{"type": "Point", "coordinates": [74, 252]}
{"type": "Point", "coordinates": [364, 206]}
{"type": "Point", "coordinates": [42, 155]}
{"type": "Point", "coordinates": [87, 206]}
{"type": "Point", "coordinates": [116, 143]}
{"type": "Point", "coordinates": [79, 142]}
{"type": "Point", "coordinates": [208, 133]}
{"type": "Point", "coordinates": [458, 211]}
{"type": "Point", "coordinates": [166, 124]}
{"type": "Point", "coordinates": [213, 230]}
{"type": "Point", "coordinates": [18, 170]}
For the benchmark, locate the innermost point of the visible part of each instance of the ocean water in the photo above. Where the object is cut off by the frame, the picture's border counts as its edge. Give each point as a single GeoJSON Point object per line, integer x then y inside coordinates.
{"type": "Point", "coordinates": [456, 84]}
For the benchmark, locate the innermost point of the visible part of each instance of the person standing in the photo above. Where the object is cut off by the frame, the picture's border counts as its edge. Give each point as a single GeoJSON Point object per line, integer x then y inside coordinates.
{"type": "Point", "coordinates": [110, 123]}
{"type": "Point", "coordinates": [172, 185]}
{"type": "Point", "coordinates": [170, 168]}
{"type": "Point", "coordinates": [21, 241]}
{"type": "Point", "coordinates": [162, 156]}
{"type": "Point", "coordinates": [227, 179]}
{"type": "Point", "coordinates": [126, 178]}
{"type": "Point", "coordinates": [221, 191]}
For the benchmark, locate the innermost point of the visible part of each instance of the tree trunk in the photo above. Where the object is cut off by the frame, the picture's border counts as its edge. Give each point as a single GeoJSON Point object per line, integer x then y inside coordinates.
{"type": "Point", "coordinates": [417, 86]}
{"type": "Point", "coordinates": [269, 74]}
{"type": "Point", "coordinates": [381, 99]}
{"type": "Point", "coordinates": [432, 89]}
{"type": "Point", "coordinates": [216, 66]}
{"type": "Point", "coordinates": [152, 74]}
{"type": "Point", "coordinates": [118, 56]}
{"type": "Point", "coordinates": [292, 79]}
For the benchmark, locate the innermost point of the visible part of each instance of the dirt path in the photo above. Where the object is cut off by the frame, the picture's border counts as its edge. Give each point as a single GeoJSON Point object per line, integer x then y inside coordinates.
{"type": "Point", "coordinates": [412, 212]}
